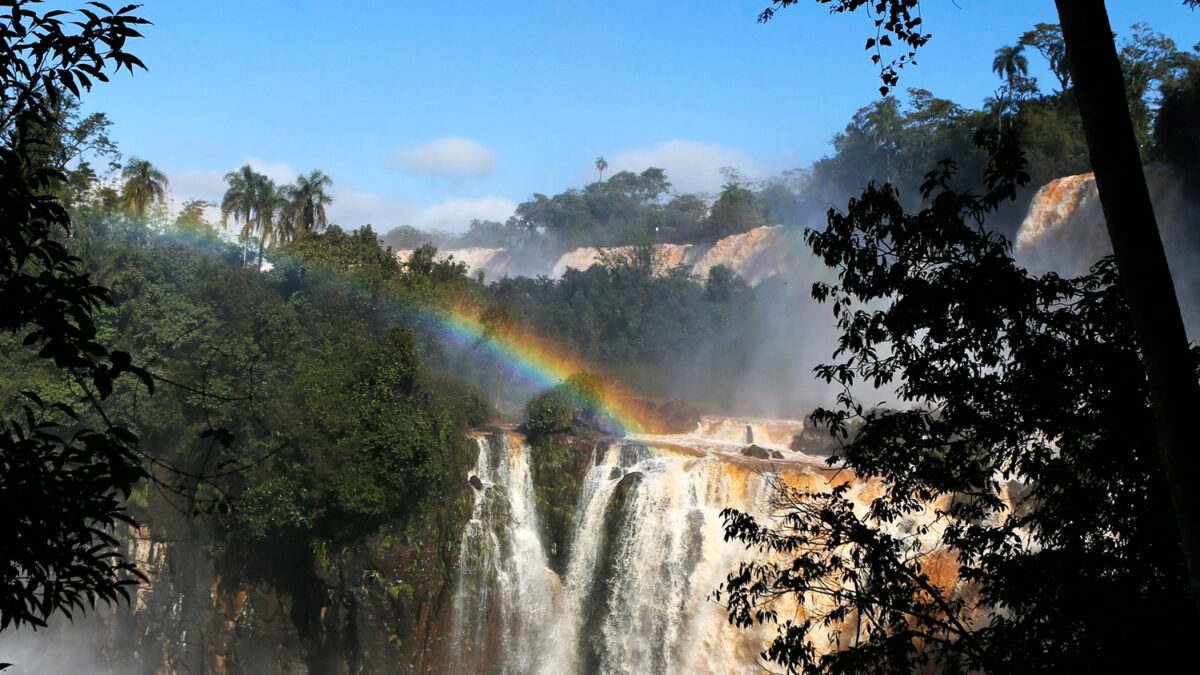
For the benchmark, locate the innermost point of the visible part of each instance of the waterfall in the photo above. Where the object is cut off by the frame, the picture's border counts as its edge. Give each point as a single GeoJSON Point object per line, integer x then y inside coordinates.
{"type": "Point", "coordinates": [502, 567]}
{"type": "Point", "coordinates": [1064, 231]}
{"type": "Point", "coordinates": [646, 550]}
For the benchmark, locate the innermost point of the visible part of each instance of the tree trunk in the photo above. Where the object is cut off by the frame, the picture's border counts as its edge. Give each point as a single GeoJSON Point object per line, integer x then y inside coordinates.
{"type": "Point", "coordinates": [1009, 107]}
{"type": "Point", "coordinates": [1145, 279]}
{"type": "Point", "coordinates": [261, 245]}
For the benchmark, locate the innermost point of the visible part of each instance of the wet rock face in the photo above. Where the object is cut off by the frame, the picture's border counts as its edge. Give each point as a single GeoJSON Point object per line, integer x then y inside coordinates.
{"type": "Point", "coordinates": [558, 463]}
{"type": "Point", "coordinates": [631, 454]}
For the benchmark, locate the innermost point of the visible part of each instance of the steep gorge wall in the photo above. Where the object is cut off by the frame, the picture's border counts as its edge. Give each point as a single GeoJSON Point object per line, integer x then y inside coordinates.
{"type": "Point", "coordinates": [381, 605]}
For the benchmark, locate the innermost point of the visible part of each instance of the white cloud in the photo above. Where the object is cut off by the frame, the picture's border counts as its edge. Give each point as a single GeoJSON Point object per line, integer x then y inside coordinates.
{"type": "Point", "coordinates": [447, 157]}
{"type": "Point", "coordinates": [210, 186]}
{"type": "Point", "coordinates": [691, 166]}
{"type": "Point", "coordinates": [280, 172]}
{"type": "Point", "coordinates": [454, 215]}
{"type": "Point", "coordinates": [352, 208]}
{"type": "Point", "coordinates": [191, 184]}
{"type": "Point", "coordinates": [195, 184]}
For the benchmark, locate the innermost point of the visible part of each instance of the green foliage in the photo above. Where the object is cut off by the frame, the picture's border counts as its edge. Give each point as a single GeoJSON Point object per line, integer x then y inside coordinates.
{"type": "Point", "coordinates": [558, 465]}
{"type": "Point", "coordinates": [607, 213]}
{"type": "Point", "coordinates": [641, 329]}
{"type": "Point", "coordinates": [573, 404]}
{"type": "Point", "coordinates": [1177, 125]}
{"type": "Point", "coordinates": [1047, 39]}
{"type": "Point", "coordinates": [1028, 456]}
{"type": "Point", "coordinates": [303, 208]}
{"type": "Point", "coordinates": [548, 413]}
{"type": "Point", "coordinates": [191, 223]}
{"type": "Point", "coordinates": [337, 427]}
{"type": "Point", "coordinates": [65, 464]}
{"type": "Point", "coordinates": [407, 237]}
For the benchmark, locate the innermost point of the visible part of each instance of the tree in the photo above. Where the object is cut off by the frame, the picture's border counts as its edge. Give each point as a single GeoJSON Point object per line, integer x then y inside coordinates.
{"type": "Point", "coordinates": [1177, 126]}
{"type": "Point", "coordinates": [192, 222]}
{"type": "Point", "coordinates": [270, 202]}
{"type": "Point", "coordinates": [239, 202]}
{"type": "Point", "coordinates": [736, 209]}
{"type": "Point", "coordinates": [306, 202]}
{"type": "Point", "coordinates": [70, 142]}
{"type": "Point", "coordinates": [1149, 61]}
{"type": "Point", "coordinates": [1017, 460]}
{"type": "Point", "coordinates": [601, 165]}
{"type": "Point", "coordinates": [1047, 39]}
{"type": "Point", "coordinates": [881, 124]}
{"type": "Point", "coordinates": [1010, 64]}
{"type": "Point", "coordinates": [1145, 279]}
{"type": "Point", "coordinates": [62, 481]}
{"type": "Point", "coordinates": [1144, 276]}
{"type": "Point", "coordinates": [253, 199]}
{"type": "Point", "coordinates": [144, 185]}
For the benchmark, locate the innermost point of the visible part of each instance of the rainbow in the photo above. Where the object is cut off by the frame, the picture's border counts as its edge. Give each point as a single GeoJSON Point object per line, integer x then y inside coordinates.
{"type": "Point", "coordinates": [524, 354]}
{"type": "Point", "coordinates": [537, 361]}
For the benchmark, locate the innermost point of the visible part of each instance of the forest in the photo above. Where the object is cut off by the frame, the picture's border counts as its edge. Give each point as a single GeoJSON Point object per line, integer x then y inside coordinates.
{"type": "Point", "coordinates": [287, 383]}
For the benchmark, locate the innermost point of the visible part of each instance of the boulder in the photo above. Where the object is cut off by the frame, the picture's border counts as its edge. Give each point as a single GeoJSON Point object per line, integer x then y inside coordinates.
{"type": "Point", "coordinates": [757, 452]}
{"type": "Point", "coordinates": [475, 482]}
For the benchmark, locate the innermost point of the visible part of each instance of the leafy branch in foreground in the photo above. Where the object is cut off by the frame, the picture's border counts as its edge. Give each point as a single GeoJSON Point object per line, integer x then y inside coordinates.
{"type": "Point", "coordinates": [1021, 500]}
{"type": "Point", "coordinates": [62, 483]}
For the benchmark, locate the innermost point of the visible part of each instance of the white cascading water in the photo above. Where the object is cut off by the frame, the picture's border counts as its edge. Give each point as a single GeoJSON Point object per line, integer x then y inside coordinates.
{"type": "Point", "coordinates": [632, 599]}
{"type": "Point", "coordinates": [503, 565]}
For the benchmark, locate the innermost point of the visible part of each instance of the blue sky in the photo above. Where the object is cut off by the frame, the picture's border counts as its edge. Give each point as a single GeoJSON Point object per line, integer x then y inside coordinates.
{"type": "Point", "coordinates": [434, 113]}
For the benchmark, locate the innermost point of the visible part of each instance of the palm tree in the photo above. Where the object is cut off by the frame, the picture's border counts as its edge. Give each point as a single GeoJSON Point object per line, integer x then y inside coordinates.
{"type": "Point", "coordinates": [1008, 64]}
{"type": "Point", "coordinates": [601, 165]}
{"type": "Point", "coordinates": [144, 185]}
{"type": "Point", "coordinates": [252, 199]}
{"type": "Point", "coordinates": [269, 205]}
{"type": "Point", "coordinates": [305, 204]}
{"type": "Point", "coordinates": [239, 201]}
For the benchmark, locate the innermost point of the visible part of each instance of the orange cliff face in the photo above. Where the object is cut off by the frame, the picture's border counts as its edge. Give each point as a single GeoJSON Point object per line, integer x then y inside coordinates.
{"type": "Point", "coordinates": [1064, 227]}
{"type": "Point", "coordinates": [1064, 231]}
{"type": "Point", "coordinates": [757, 255]}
